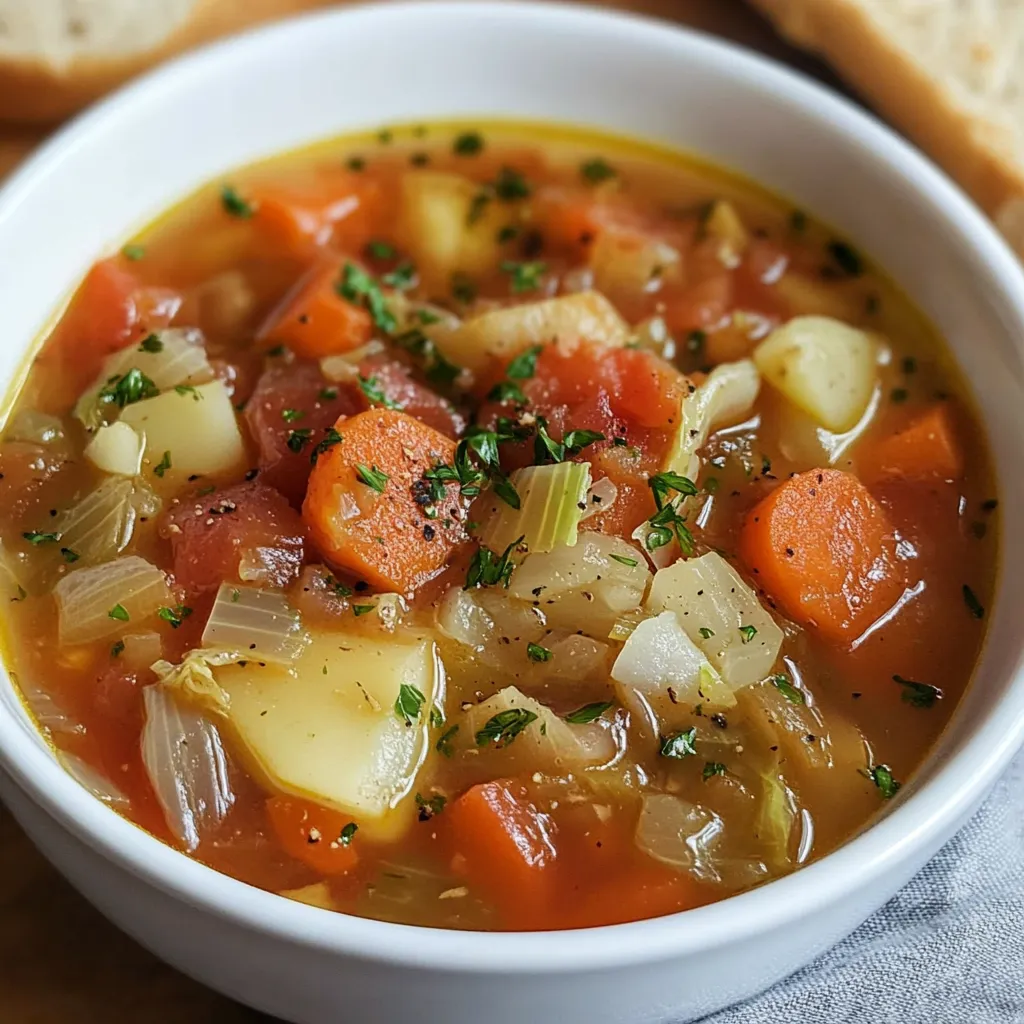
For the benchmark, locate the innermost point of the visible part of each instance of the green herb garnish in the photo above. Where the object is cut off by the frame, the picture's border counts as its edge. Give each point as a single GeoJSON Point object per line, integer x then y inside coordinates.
{"type": "Point", "coordinates": [537, 653]}
{"type": "Point", "coordinates": [920, 695]}
{"type": "Point", "coordinates": [118, 612]}
{"type": "Point", "coordinates": [504, 727]}
{"type": "Point", "coordinates": [711, 769]}
{"type": "Point", "coordinates": [163, 465]}
{"type": "Point", "coordinates": [597, 170]}
{"type": "Point", "coordinates": [589, 712]}
{"type": "Point", "coordinates": [974, 606]}
{"type": "Point", "coordinates": [151, 343]}
{"type": "Point", "coordinates": [234, 204]}
{"type": "Point", "coordinates": [788, 690]}
{"type": "Point", "coordinates": [680, 744]}
{"type": "Point", "coordinates": [330, 439]}
{"type": "Point", "coordinates": [409, 703]}
{"type": "Point", "coordinates": [372, 477]}
{"type": "Point", "coordinates": [370, 386]}
{"type": "Point", "coordinates": [468, 144]}
{"type": "Point", "coordinates": [526, 275]}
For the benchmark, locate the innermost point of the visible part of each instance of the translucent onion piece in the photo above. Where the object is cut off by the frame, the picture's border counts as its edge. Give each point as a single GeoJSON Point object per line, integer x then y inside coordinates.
{"type": "Point", "coordinates": [49, 715]}
{"type": "Point", "coordinates": [86, 598]}
{"type": "Point", "coordinates": [116, 448]}
{"type": "Point", "coordinates": [777, 811]}
{"type": "Point", "coordinates": [601, 496]}
{"type": "Point", "coordinates": [680, 834]}
{"type": "Point", "coordinates": [258, 622]}
{"type": "Point", "coordinates": [180, 360]}
{"type": "Point", "coordinates": [36, 427]}
{"type": "Point", "coordinates": [344, 368]}
{"type": "Point", "coordinates": [94, 781]}
{"type": "Point", "coordinates": [552, 501]}
{"type": "Point", "coordinates": [141, 650]}
{"type": "Point", "coordinates": [195, 681]}
{"type": "Point", "coordinates": [101, 525]}
{"type": "Point", "coordinates": [187, 766]}
{"type": "Point", "coordinates": [622, 628]}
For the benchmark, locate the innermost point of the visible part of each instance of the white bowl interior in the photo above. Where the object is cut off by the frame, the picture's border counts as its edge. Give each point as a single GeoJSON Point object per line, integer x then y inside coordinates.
{"type": "Point", "coordinates": [267, 92]}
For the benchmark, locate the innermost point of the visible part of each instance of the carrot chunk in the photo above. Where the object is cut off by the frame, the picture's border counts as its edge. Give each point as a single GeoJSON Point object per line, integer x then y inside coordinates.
{"type": "Point", "coordinates": [318, 836]}
{"type": "Point", "coordinates": [367, 502]}
{"type": "Point", "coordinates": [314, 320]}
{"type": "Point", "coordinates": [926, 449]}
{"type": "Point", "coordinates": [824, 549]}
{"type": "Point", "coordinates": [505, 848]}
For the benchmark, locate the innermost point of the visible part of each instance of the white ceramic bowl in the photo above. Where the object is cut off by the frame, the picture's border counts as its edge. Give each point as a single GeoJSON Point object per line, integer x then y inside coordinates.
{"type": "Point", "coordinates": [127, 160]}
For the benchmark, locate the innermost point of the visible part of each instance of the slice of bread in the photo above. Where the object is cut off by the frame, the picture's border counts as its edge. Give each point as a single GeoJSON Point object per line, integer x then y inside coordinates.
{"type": "Point", "coordinates": [58, 55]}
{"type": "Point", "coordinates": [948, 73]}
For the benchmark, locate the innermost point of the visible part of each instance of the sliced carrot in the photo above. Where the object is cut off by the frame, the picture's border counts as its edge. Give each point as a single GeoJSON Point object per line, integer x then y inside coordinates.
{"type": "Point", "coordinates": [378, 529]}
{"type": "Point", "coordinates": [314, 320]}
{"type": "Point", "coordinates": [309, 213]}
{"type": "Point", "coordinates": [649, 390]}
{"type": "Point", "coordinates": [319, 836]}
{"type": "Point", "coordinates": [505, 848]}
{"type": "Point", "coordinates": [825, 551]}
{"type": "Point", "coordinates": [926, 449]}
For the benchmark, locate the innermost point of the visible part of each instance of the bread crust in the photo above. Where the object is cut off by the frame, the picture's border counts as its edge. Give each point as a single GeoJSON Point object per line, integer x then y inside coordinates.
{"type": "Point", "coordinates": [973, 152]}
{"type": "Point", "coordinates": [32, 91]}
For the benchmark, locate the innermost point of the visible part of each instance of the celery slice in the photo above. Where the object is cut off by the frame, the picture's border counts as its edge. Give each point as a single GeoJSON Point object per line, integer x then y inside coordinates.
{"type": "Point", "coordinates": [552, 502]}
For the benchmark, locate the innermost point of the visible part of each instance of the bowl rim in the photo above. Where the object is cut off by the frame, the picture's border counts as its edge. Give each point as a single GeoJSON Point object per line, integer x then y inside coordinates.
{"type": "Point", "coordinates": [920, 819]}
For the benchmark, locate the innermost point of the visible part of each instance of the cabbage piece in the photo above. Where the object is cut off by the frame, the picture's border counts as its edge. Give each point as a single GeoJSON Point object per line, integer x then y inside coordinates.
{"type": "Point", "coordinates": [681, 834]}
{"type": "Point", "coordinates": [514, 734]}
{"type": "Point", "coordinates": [141, 650]}
{"type": "Point", "coordinates": [726, 397]}
{"type": "Point", "coordinates": [172, 357]}
{"type": "Point", "coordinates": [777, 813]}
{"type": "Point", "coordinates": [97, 602]}
{"type": "Point", "coordinates": [346, 726]}
{"type": "Point", "coordinates": [35, 427]}
{"type": "Point", "coordinates": [186, 765]}
{"type": "Point", "coordinates": [585, 587]}
{"type": "Point", "coordinates": [193, 678]}
{"type": "Point", "coordinates": [102, 524]}
{"type": "Point", "coordinates": [259, 622]}
{"type": "Point", "coordinates": [118, 449]}
{"type": "Point", "coordinates": [824, 367]}
{"type": "Point", "coordinates": [46, 710]}
{"type": "Point", "coordinates": [721, 615]}
{"type": "Point", "coordinates": [189, 431]}
{"type": "Point", "coordinates": [552, 501]}
{"type": "Point", "coordinates": [661, 674]}
{"type": "Point", "coordinates": [94, 781]}
{"type": "Point", "coordinates": [503, 333]}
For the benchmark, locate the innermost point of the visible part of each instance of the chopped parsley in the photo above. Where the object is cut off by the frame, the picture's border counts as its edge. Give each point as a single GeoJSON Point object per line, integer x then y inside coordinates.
{"type": "Point", "coordinates": [359, 288]}
{"type": "Point", "coordinates": [298, 439]}
{"type": "Point", "coordinates": [624, 560]}
{"type": "Point", "coordinates": [188, 389]}
{"type": "Point", "coordinates": [355, 163]}
{"type": "Point", "coordinates": [504, 727]}
{"type": "Point", "coordinates": [330, 439]}
{"type": "Point", "coordinates": [881, 776]}
{"type": "Point", "coordinates": [133, 252]}
{"type": "Point", "coordinates": [381, 250]}
{"type": "Point", "coordinates": [362, 609]}
{"type": "Point", "coordinates": [36, 538]}
{"type": "Point", "coordinates": [291, 415]}
{"type": "Point", "coordinates": [117, 649]}
{"type": "Point", "coordinates": [127, 389]}
{"type": "Point", "coordinates": [328, 394]}
{"type": "Point", "coordinates": [510, 185]}
{"type": "Point", "coordinates": [524, 365]}
{"type": "Point", "coordinates": [402, 277]}
{"type": "Point", "coordinates": [163, 465]}
{"type": "Point", "coordinates": [463, 289]}
{"type": "Point", "coordinates": [431, 806]}
{"type": "Point", "coordinates": [920, 695]}
{"type": "Point", "coordinates": [151, 343]}
{"type": "Point", "coordinates": [70, 556]}
{"type": "Point", "coordinates": [706, 633]}
{"type": "Point", "coordinates": [748, 633]}
{"type": "Point", "coordinates": [847, 258]}
{"type": "Point", "coordinates": [974, 606]}
{"type": "Point", "coordinates": [372, 477]}
{"type": "Point", "coordinates": [444, 742]}
{"type": "Point", "coordinates": [370, 386]}
{"type": "Point", "coordinates": [526, 275]}
{"type": "Point", "coordinates": [409, 703]}
{"type": "Point", "coordinates": [537, 653]}
{"type": "Point", "coordinates": [234, 204]}
{"type": "Point", "coordinates": [547, 449]}
{"type": "Point", "coordinates": [589, 712]}
{"type": "Point", "coordinates": [788, 690]}
{"type": "Point", "coordinates": [711, 769]}
{"type": "Point", "coordinates": [468, 144]}
{"type": "Point", "coordinates": [679, 744]}
{"type": "Point", "coordinates": [347, 834]}
{"type": "Point", "coordinates": [507, 391]}
{"type": "Point", "coordinates": [663, 484]}
{"type": "Point", "coordinates": [597, 170]}
{"type": "Point", "coordinates": [488, 569]}
{"type": "Point", "coordinates": [118, 612]}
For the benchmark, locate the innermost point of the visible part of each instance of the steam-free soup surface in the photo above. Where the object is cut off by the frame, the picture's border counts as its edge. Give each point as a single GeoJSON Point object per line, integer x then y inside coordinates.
{"type": "Point", "coordinates": [493, 528]}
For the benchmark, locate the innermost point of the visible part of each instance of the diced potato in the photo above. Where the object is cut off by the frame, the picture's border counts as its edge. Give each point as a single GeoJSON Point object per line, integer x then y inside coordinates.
{"type": "Point", "coordinates": [726, 397]}
{"type": "Point", "coordinates": [327, 729]}
{"type": "Point", "coordinates": [723, 224]}
{"type": "Point", "coordinates": [660, 674]}
{"type": "Point", "coordinates": [435, 218]}
{"type": "Point", "coordinates": [503, 333]}
{"type": "Point", "coordinates": [117, 449]}
{"type": "Point", "coordinates": [721, 615]}
{"type": "Point", "coordinates": [808, 296]}
{"type": "Point", "coordinates": [196, 426]}
{"type": "Point", "coordinates": [583, 587]}
{"type": "Point", "coordinates": [822, 366]}
{"type": "Point", "coordinates": [547, 744]}
{"type": "Point", "coordinates": [626, 264]}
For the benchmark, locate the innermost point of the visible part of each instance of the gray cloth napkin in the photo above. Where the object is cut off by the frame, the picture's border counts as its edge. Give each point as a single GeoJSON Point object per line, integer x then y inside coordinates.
{"type": "Point", "coordinates": [948, 949]}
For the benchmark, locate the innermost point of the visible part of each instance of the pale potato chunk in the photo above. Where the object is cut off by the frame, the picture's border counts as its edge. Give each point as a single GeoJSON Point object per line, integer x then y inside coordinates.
{"type": "Point", "coordinates": [502, 333]}
{"type": "Point", "coordinates": [823, 366]}
{"type": "Point", "coordinates": [116, 449]}
{"type": "Point", "coordinates": [335, 736]}
{"type": "Point", "coordinates": [626, 265]}
{"type": "Point", "coordinates": [196, 426]}
{"type": "Point", "coordinates": [721, 615]}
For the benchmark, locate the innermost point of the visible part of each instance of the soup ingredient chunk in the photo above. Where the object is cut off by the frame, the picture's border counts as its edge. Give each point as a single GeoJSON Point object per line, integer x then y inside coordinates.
{"type": "Point", "coordinates": [824, 549]}
{"type": "Point", "coordinates": [926, 449]}
{"type": "Point", "coordinates": [371, 511]}
{"type": "Point", "coordinates": [319, 836]}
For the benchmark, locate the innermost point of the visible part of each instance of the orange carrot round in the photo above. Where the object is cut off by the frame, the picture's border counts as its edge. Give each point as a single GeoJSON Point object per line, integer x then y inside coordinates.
{"type": "Point", "coordinates": [926, 449]}
{"type": "Point", "coordinates": [318, 836]}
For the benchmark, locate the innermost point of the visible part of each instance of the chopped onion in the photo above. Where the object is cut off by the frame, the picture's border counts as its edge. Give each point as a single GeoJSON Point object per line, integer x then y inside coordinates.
{"type": "Point", "coordinates": [96, 602]}
{"type": "Point", "coordinates": [622, 628]}
{"type": "Point", "coordinates": [180, 359]}
{"type": "Point", "coordinates": [116, 448]}
{"type": "Point", "coordinates": [344, 367]}
{"type": "Point", "coordinates": [101, 525]}
{"type": "Point", "coordinates": [552, 500]}
{"type": "Point", "coordinates": [679, 833]}
{"type": "Point", "coordinates": [585, 587]}
{"type": "Point", "coordinates": [141, 650]}
{"type": "Point", "coordinates": [49, 715]}
{"type": "Point", "coordinates": [259, 622]}
{"type": "Point", "coordinates": [193, 678]}
{"type": "Point", "coordinates": [35, 427]}
{"type": "Point", "coordinates": [722, 616]}
{"type": "Point", "coordinates": [94, 781]}
{"type": "Point", "coordinates": [602, 495]}
{"type": "Point", "coordinates": [187, 766]}
{"type": "Point", "coordinates": [777, 811]}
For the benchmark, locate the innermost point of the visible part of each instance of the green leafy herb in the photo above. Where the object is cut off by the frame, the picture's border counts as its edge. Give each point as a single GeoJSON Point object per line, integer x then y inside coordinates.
{"type": "Point", "coordinates": [359, 288]}
{"type": "Point", "coordinates": [706, 633]}
{"type": "Point", "coordinates": [234, 204]}
{"type": "Point", "coordinates": [370, 386]}
{"type": "Point", "coordinates": [328, 394]}
{"type": "Point", "coordinates": [589, 712]}
{"type": "Point", "coordinates": [348, 833]}
{"type": "Point", "coordinates": [133, 252]}
{"type": "Point", "coordinates": [909, 365]}
{"type": "Point", "coordinates": [409, 703]}
{"type": "Point", "coordinates": [36, 538]}
{"type": "Point", "coordinates": [468, 144]}
{"type": "Point", "coordinates": [526, 275]}
{"type": "Point", "coordinates": [624, 560]}
{"type": "Point", "coordinates": [847, 258]}
{"type": "Point", "coordinates": [402, 277]}
{"type": "Point", "coordinates": [381, 250]}
{"type": "Point", "coordinates": [188, 389]}
{"type": "Point", "coordinates": [537, 653]}
{"type": "Point", "coordinates": [547, 449]}
{"type": "Point", "coordinates": [576, 440]}
{"type": "Point", "coordinates": [881, 776]}
{"type": "Point", "coordinates": [974, 606]}
{"type": "Point", "coordinates": [920, 695]}
{"type": "Point", "coordinates": [175, 616]}
{"type": "Point", "coordinates": [505, 489]}
{"type": "Point", "coordinates": [748, 633]}
{"type": "Point", "coordinates": [504, 727]}
{"type": "Point", "coordinates": [507, 391]}
{"type": "Point", "coordinates": [291, 415]}
{"type": "Point", "coordinates": [510, 185]}
{"type": "Point", "coordinates": [127, 389]}
{"type": "Point", "coordinates": [118, 612]}
{"type": "Point", "coordinates": [117, 649]}
{"type": "Point", "coordinates": [524, 365]}
{"type": "Point", "coordinates": [597, 170]}
{"type": "Point", "coordinates": [298, 439]}
{"type": "Point", "coordinates": [680, 744]}
{"type": "Point", "coordinates": [663, 484]}
{"type": "Point", "coordinates": [70, 556]}
{"type": "Point", "coordinates": [507, 233]}
{"type": "Point", "coordinates": [438, 369]}
{"type": "Point", "coordinates": [463, 289]}
{"type": "Point", "coordinates": [488, 569]}
{"type": "Point", "coordinates": [372, 477]}
{"type": "Point", "coordinates": [444, 742]}
{"type": "Point", "coordinates": [436, 717]}
{"type": "Point", "coordinates": [330, 439]}
{"type": "Point", "coordinates": [355, 163]}
{"type": "Point", "coordinates": [163, 465]}
{"type": "Point", "coordinates": [151, 343]}
{"type": "Point", "coordinates": [477, 205]}
{"type": "Point", "coordinates": [711, 769]}
{"type": "Point", "coordinates": [384, 136]}
{"type": "Point", "coordinates": [362, 609]}
{"type": "Point", "coordinates": [431, 806]}
{"type": "Point", "coordinates": [798, 220]}
{"type": "Point", "coordinates": [899, 395]}
{"type": "Point", "coordinates": [788, 690]}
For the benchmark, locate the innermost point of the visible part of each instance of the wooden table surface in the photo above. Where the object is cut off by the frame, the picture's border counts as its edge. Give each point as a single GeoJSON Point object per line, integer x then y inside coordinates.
{"type": "Point", "coordinates": [60, 961]}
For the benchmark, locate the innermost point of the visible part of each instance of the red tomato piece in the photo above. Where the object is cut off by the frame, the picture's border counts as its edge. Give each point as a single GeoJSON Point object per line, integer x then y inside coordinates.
{"type": "Point", "coordinates": [396, 383]}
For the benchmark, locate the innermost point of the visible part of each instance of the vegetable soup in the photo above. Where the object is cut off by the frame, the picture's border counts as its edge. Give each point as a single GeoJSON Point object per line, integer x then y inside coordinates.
{"type": "Point", "coordinates": [493, 527]}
